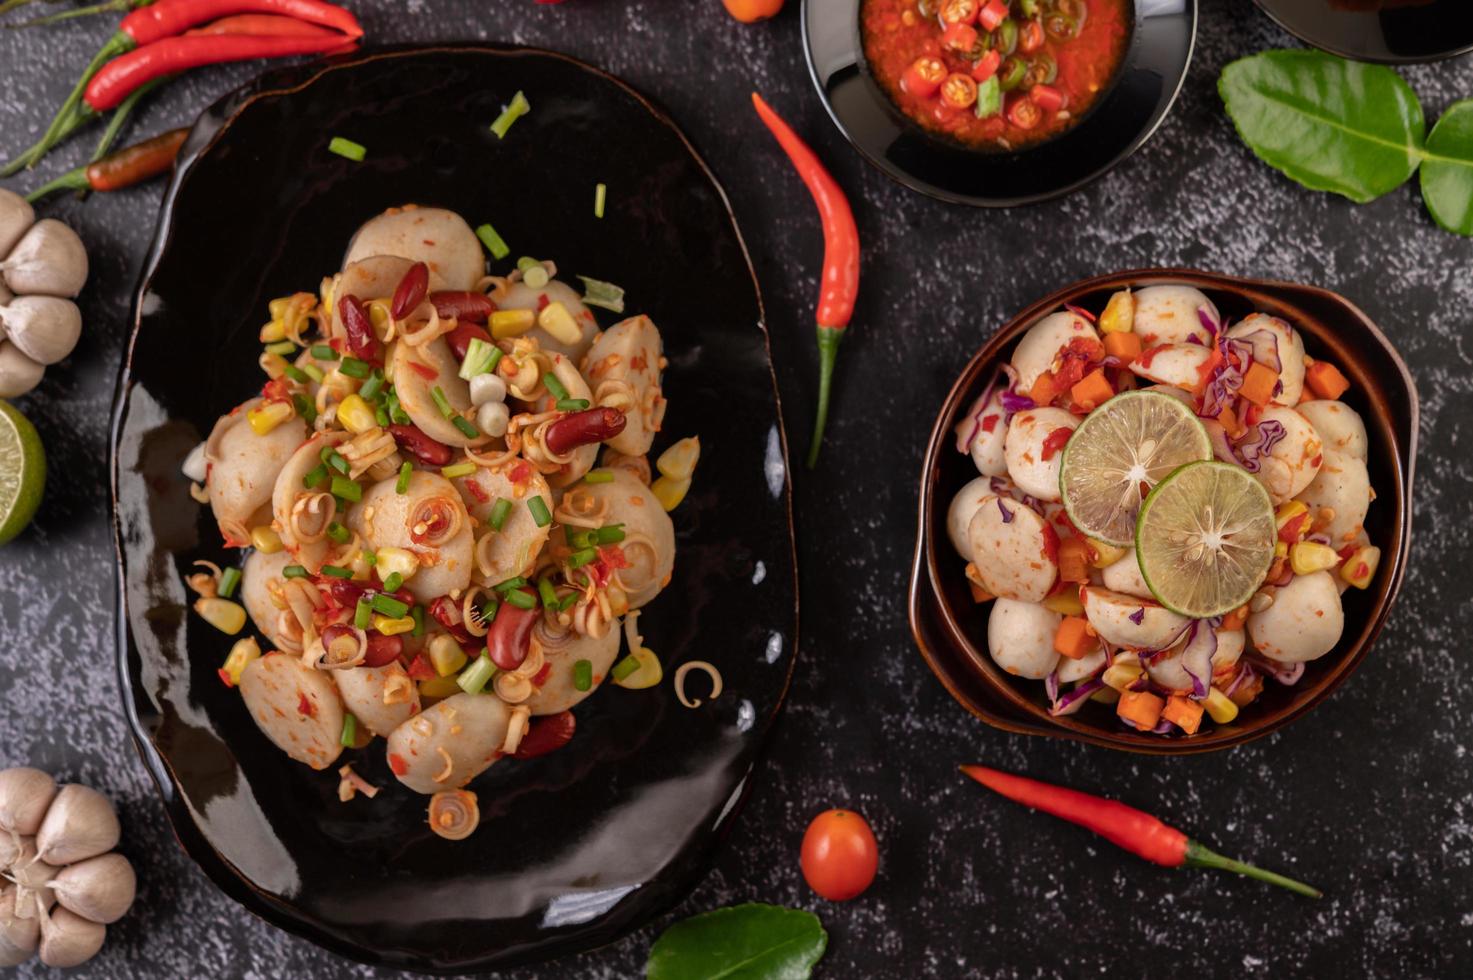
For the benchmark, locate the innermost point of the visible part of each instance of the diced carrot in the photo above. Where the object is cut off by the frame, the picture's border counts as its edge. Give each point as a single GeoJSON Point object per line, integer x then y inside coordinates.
{"type": "Point", "coordinates": [1141, 707]}
{"type": "Point", "coordinates": [1043, 392]}
{"type": "Point", "coordinates": [1258, 384]}
{"type": "Point", "coordinates": [1092, 391]}
{"type": "Point", "coordinates": [1326, 380]}
{"type": "Point", "coordinates": [1230, 423]}
{"type": "Point", "coordinates": [1073, 639]}
{"type": "Point", "coordinates": [1125, 346]}
{"type": "Point", "coordinates": [1184, 713]}
{"type": "Point", "coordinates": [980, 594]}
{"type": "Point", "coordinates": [1073, 560]}
{"type": "Point", "coordinates": [1235, 619]}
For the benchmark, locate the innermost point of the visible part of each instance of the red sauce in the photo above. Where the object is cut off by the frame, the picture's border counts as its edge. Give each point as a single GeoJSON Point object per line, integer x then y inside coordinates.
{"type": "Point", "coordinates": [1051, 67]}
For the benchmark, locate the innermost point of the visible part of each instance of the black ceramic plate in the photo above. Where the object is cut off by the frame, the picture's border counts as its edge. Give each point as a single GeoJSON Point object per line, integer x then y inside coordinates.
{"type": "Point", "coordinates": [575, 848]}
{"type": "Point", "coordinates": [1154, 65]}
{"type": "Point", "coordinates": [1389, 31]}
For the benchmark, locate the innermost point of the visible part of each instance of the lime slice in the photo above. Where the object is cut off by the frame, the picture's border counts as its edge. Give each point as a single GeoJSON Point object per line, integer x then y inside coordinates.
{"type": "Point", "coordinates": [1205, 539]}
{"type": "Point", "coordinates": [1137, 437]}
{"type": "Point", "coordinates": [22, 471]}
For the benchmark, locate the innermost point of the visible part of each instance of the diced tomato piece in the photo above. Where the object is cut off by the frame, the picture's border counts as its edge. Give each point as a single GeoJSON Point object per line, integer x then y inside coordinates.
{"type": "Point", "coordinates": [1049, 99]}
{"type": "Point", "coordinates": [1055, 441]}
{"type": "Point", "coordinates": [420, 669]}
{"type": "Point", "coordinates": [989, 423]}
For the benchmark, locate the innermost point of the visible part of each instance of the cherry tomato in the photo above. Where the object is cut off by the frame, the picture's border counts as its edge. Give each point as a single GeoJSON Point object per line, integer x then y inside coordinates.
{"type": "Point", "coordinates": [924, 77]}
{"type": "Point", "coordinates": [840, 856]}
{"type": "Point", "coordinates": [751, 11]}
{"type": "Point", "coordinates": [1024, 113]}
{"type": "Point", "coordinates": [959, 91]}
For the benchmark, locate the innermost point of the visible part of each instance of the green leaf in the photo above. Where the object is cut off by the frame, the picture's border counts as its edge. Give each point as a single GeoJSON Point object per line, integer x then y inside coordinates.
{"type": "Point", "coordinates": [1447, 172]}
{"type": "Point", "coordinates": [1330, 124]}
{"type": "Point", "coordinates": [743, 942]}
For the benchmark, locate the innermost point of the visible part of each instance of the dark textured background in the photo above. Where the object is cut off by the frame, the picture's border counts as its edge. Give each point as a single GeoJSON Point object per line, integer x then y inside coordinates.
{"type": "Point", "coordinates": [1371, 797]}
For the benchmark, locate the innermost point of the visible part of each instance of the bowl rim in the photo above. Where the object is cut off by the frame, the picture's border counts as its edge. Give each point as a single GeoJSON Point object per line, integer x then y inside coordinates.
{"type": "Point", "coordinates": [1270, 8]}
{"type": "Point", "coordinates": [1165, 101]}
{"type": "Point", "coordinates": [930, 613]}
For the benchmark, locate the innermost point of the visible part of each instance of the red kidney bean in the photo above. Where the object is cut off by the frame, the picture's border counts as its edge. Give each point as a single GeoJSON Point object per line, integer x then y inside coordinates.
{"type": "Point", "coordinates": [343, 592]}
{"type": "Point", "coordinates": [359, 328]}
{"type": "Point", "coordinates": [472, 307]}
{"type": "Point", "coordinates": [420, 446]}
{"type": "Point", "coordinates": [583, 429]}
{"type": "Point", "coordinates": [447, 613]}
{"type": "Point", "coordinates": [460, 338]}
{"type": "Point", "coordinates": [411, 291]}
{"type": "Point", "coordinates": [547, 734]}
{"type": "Point", "coordinates": [511, 634]}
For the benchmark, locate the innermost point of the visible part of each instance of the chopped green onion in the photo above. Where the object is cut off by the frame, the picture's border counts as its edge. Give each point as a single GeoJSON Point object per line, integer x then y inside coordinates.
{"type": "Point", "coordinates": [355, 368]}
{"type": "Point", "coordinates": [567, 601]}
{"type": "Point", "coordinates": [324, 353]}
{"type": "Point", "coordinates": [480, 357]}
{"type": "Point", "coordinates": [312, 371]}
{"type": "Point", "coordinates": [554, 385]}
{"type": "Point", "coordinates": [515, 582]}
{"type": "Point", "coordinates": [229, 579]}
{"type": "Point", "coordinates": [382, 418]}
{"type": "Point", "coordinates": [599, 476]}
{"type": "Point", "coordinates": [624, 668]}
{"type": "Point", "coordinates": [583, 674]}
{"type": "Point", "coordinates": [520, 599]}
{"type": "Point", "coordinates": [571, 404]}
{"type": "Point", "coordinates": [305, 408]}
{"type": "Point", "coordinates": [418, 615]}
{"type": "Point", "coordinates": [578, 540]}
{"type": "Point", "coordinates": [602, 294]}
{"type": "Point", "coordinates": [363, 614]}
{"type": "Point", "coordinates": [600, 194]}
{"type": "Point", "coordinates": [371, 387]}
{"type": "Point", "coordinates": [473, 679]}
{"type": "Point", "coordinates": [514, 110]}
{"type": "Point", "coordinates": [499, 513]}
{"type": "Point", "coordinates": [609, 534]}
{"type": "Point", "coordinates": [350, 730]}
{"type": "Point", "coordinates": [402, 484]}
{"type": "Point", "coordinates": [538, 507]}
{"type": "Point", "coordinates": [337, 571]}
{"type": "Point", "coordinates": [347, 489]}
{"type": "Point", "coordinates": [441, 402]}
{"type": "Point", "coordinates": [314, 477]}
{"type": "Point", "coordinates": [283, 347]}
{"type": "Point", "coordinates": [547, 592]}
{"type": "Point", "coordinates": [466, 427]}
{"type": "Point", "coordinates": [336, 461]}
{"type": "Point", "coordinates": [347, 148]}
{"type": "Point", "coordinates": [536, 277]}
{"type": "Point", "coordinates": [390, 606]}
{"type": "Point", "coordinates": [338, 533]}
{"type": "Point", "coordinates": [489, 609]}
{"type": "Point", "coordinates": [295, 373]}
{"type": "Point", "coordinates": [392, 583]}
{"type": "Point", "coordinates": [498, 248]}
{"type": "Point", "coordinates": [580, 558]}
{"type": "Point", "coordinates": [294, 571]}
{"type": "Point", "coordinates": [459, 469]}
{"type": "Point", "coordinates": [369, 558]}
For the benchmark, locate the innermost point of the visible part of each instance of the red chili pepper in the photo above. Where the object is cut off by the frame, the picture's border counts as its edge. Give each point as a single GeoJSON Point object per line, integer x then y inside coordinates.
{"type": "Point", "coordinates": [129, 166]}
{"type": "Point", "coordinates": [410, 291]}
{"type": "Point", "coordinates": [583, 429]}
{"type": "Point", "coordinates": [358, 327]}
{"type": "Point", "coordinates": [511, 633]}
{"type": "Point", "coordinates": [167, 18]}
{"type": "Point", "coordinates": [261, 25]}
{"type": "Point", "coordinates": [1124, 826]}
{"type": "Point", "coordinates": [840, 282]}
{"type": "Point", "coordinates": [466, 307]}
{"type": "Point", "coordinates": [420, 669]}
{"type": "Point", "coordinates": [414, 442]}
{"type": "Point", "coordinates": [547, 734]}
{"type": "Point", "coordinates": [397, 765]}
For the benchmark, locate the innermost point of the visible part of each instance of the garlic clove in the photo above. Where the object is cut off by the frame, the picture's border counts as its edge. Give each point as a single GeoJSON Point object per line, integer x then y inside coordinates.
{"type": "Point", "coordinates": [31, 876]}
{"type": "Point", "coordinates": [49, 260]}
{"type": "Point", "coordinates": [18, 937]}
{"type": "Point", "coordinates": [44, 328]}
{"type": "Point", "coordinates": [100, 888]}
{"type": "Point", "coordinates": [25, 793]}
{"type": "Point", "coordinates": [16, 218]}
{"type": "Point", "coordinates": [80, 824]}
{"type": "Point", "coordinates": [67, 939]}
{"type": "Point", "coordinates": [18, 373]}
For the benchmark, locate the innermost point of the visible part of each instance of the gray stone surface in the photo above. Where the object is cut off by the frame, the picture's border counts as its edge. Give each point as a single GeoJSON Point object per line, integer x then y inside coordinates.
{"type": "Point", "coordinates": [1371, 797]}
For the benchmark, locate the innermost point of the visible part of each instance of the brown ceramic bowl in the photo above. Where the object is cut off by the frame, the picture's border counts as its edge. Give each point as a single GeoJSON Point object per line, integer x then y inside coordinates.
{"type": "Point", "coordinates": [951, 629]}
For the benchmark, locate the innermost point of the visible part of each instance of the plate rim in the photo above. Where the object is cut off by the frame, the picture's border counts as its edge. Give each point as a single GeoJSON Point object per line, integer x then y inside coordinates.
{"type": "Point", "coordinates": [1267, 8]}
{"type": "Point", "coordinates": [205, 132]}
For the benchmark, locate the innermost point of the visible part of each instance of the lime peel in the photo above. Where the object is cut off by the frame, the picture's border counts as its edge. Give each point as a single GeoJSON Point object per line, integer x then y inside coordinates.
{"type": "Point", "coordinates": [22, 471]}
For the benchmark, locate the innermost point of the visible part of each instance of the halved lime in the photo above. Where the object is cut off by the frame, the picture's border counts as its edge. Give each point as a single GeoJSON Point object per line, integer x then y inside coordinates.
{"type": "Point", "coordinates": [1135, 438]}
{"type": "Point", "coordinates": [22, 471]}
{"type": "Point", "coordinates": [1205, 539]}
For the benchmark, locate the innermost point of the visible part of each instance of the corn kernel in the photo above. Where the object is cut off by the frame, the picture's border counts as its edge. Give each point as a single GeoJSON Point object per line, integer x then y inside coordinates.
{"type": "Point", "coordinates": [226, 616]}
{"type": "Point", "coordinates": [279, 306]}
{"type": "Point", "coordinates": [438, 687]}
{"type": "Point", "coordinates": [1307, 557]}
{"type": "Point", "coordinates": [1288, 511]}
{"type": "Point", "coordinates": [264, 418]}
{"type": "Point", "coordinates": [1361, 566]}
{"type": "Point", "coordinates": [391, 560]}
{"type": "Point", "coordinates": [1121, 676]}
{"type": "Point", "coordinates": [669, 492]}
{"type": "Point", "coordinates": [558, 322]}
{"type": "Point", "coordinates": [679, 461]}
{"type": "Point", "coordinates": [1065, 603]}
{"type": "Point", "coordinates": [649, 673]}
{"type": "Point", "coordinates": [391, 627]}
{"type": "Point", "coordinates": [1105, 554]}
{"type": "Point", "coordinates": [379, 315]}
{"type": "Point", "coordinates": [265, 539]}
{"type": "Point", "coordinates": [1119, 315]}
{"type": "Point", "coordinates": [511, 323]}
{"type": "Point", "coordinates": [273, 331]}
{"type": "Point", "coordinates": [446, 655]}
{"type": "Point", "coordinates": [242, 653]}
{"type": "Point", "coordinates": [1281, 549]}
{"type": "Point", "coordinates": [355, 415]}
{"type": "Point", "coordinates": [1220, 707]}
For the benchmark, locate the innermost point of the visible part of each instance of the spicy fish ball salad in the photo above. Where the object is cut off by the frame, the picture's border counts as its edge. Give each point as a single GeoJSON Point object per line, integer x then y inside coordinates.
{"type": "Point", "coordinates": [448, 517]}
{"type": "Point", "coordinates": [1167, 510]}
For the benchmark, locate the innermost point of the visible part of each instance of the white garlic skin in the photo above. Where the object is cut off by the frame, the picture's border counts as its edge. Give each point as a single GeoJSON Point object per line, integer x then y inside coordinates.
{"type": "Point", "coordinates": [80, 824]}
{"type": "Point", "coordinates": [44, 328]}
{"type": "Point", "coordinates": [18, 937]}
{"type": "Point", "coordinates": [100, 888]}
{"type": "Point", "coordinates": [16, 218]}
{"type": "Point", "coordinates": [25, 795]}
{"type": "Point", "coordinates": [49, 260]}
{"type": "Point", "coordinates": [18, 373]}
{"type": "Point", "coordinates": [67, 939]}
